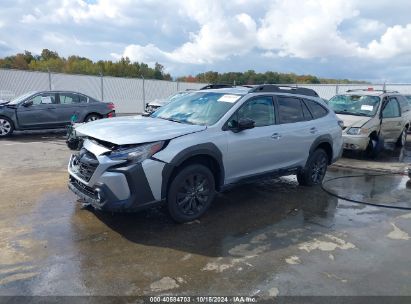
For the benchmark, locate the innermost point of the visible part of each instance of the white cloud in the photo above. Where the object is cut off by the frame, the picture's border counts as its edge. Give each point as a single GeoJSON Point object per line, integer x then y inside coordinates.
{"type": "Point", "coordinates": [394, 42]}
{"type": "Point", "coordinates": [214, 34]}
{"type": "Point", "coordinates": [306, 29]}
{"type": "Point", "coordinates": [370, 26]}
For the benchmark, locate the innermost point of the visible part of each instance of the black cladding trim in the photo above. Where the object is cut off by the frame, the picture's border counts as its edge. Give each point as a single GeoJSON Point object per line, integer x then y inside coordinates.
{"type": "Point", "coordinates": [208, 149]}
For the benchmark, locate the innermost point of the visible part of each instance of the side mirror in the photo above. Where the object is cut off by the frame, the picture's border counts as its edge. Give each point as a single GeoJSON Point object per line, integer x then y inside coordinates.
{"type": "Point", "coordinates": [246, 123]}
{"type": "Point", "coordinates": [243, 124]}
{"type": "Point", "coordinates": [28, 103]}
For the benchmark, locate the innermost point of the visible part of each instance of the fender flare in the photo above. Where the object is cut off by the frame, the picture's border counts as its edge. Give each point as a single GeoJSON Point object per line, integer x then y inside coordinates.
{"type": "Point", "coordinates": [326, 138]}
{"type": "Point", "coordinates": [208, 149]}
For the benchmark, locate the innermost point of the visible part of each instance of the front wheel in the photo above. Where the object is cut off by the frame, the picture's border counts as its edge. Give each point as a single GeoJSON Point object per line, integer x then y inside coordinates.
{"type": "Point", "coordinates": [6, 127]}
{"type": "Point", "coordinates": [374, 147]}
{"type": "Point", "coordinates": [315, 169]}
{"type": "Point", "coordinates": [190, 193]}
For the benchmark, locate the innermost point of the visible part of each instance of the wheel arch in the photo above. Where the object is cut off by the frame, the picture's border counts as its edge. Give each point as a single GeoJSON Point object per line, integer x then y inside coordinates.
{"type": "Point", "coordinates": [13, 123]}
{"type": "Point", "coordinates": [207, 154]}
{"type": "Point", "coordinates": [92, 113]}
{"type": "Point", "coordinates": [323, 142]}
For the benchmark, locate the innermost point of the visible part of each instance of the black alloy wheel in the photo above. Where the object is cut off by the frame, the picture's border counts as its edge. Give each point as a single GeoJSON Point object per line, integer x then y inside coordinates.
{"type": "Point", "coordinates": [191, 193]}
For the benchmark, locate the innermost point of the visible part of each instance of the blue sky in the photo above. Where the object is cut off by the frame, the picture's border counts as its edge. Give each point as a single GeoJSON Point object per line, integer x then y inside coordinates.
{"type": "Point", "coordinates": [369, 40]}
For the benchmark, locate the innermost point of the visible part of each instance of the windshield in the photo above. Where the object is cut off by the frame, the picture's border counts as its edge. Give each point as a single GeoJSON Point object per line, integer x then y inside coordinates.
{"type": "Point", "coordinates": [360, 105]}
{"type": "Point", "coordinates": [20, 98]}
{"type": "Point", "coordinates": [199, 108]}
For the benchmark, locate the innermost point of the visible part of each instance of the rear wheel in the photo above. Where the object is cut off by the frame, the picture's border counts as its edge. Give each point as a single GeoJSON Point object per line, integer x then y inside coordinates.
{"type": "Point", "coordinates": [315, 169]}
{"type": "Point", "coordinates": [402, 140]}
{"type": "Point", "coordinates": [6, 127]}
{"type": "Point", "coordinates": [190, 193]}
{"type": "Point", "coordinates": [92, 117]}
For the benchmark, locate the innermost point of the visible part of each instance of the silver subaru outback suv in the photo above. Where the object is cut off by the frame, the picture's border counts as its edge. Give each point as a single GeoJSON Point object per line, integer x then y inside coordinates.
{"type": "Point", "coordinates": [203, 143]}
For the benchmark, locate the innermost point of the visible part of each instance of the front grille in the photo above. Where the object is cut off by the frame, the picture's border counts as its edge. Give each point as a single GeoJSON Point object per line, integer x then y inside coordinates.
{"type": "Point", "coordinates": [83, 188]}
{"type": "Point", "coordinates": [84, 164]}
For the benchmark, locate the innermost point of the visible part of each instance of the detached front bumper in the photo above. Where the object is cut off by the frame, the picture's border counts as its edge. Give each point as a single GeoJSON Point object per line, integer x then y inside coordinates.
{"type": "Point", "coordinates": [113, 186]}
{"type": "Point", "coordinates": [354, 142]}
{"type": "Point", "coordinates": [120, 189]}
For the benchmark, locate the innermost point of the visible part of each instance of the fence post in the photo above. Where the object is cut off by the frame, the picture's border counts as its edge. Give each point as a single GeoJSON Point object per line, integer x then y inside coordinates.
{"type": "Point", "coordinates": [144, 94]}
{"type": "Point", "coordinates": [102, 86]}
{"type": "Point", "coordinates": [48, 70]}
{"type": "Point", "coordinates": [384, 86]}
{"type": "Point", "coordinates": [336, 89]}
{"type": "Point", "coordinates": [178, 85]}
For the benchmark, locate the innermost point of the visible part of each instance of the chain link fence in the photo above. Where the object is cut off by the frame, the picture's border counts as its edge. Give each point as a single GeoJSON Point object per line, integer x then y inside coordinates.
{"type": "Point", "coordinates": [131, 94]}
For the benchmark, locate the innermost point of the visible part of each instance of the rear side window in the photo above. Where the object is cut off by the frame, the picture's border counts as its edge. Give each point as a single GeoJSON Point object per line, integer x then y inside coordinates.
{"type": "Point", "coordinates": [316, 109]}
{"type": "Point", "coordinates": [83, 99]}
{"type": "Point", "coordinates": [68, 98]}
{"type": "Point", "coordinates": [290, 110]}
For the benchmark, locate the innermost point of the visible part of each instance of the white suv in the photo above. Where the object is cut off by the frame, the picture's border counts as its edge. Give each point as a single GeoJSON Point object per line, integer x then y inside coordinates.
{"type": "Point", "coordinates": [202, 143]}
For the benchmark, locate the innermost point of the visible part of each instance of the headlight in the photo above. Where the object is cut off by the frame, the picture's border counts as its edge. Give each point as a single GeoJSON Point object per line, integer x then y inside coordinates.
{"type": "Point", "coordinates": [354, 131]}
{"type": "Point", "coordinates": [136, 154]}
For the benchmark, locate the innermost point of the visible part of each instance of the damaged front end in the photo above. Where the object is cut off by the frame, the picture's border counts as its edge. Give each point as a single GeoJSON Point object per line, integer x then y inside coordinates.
{"type": "Point", "coordinates": [74, 140]}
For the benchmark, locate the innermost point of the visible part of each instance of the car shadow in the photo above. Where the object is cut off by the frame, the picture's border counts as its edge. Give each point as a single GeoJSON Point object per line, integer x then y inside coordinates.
{"type": "Point", "coordinates": [390, 153]}
{"type": "Point", "coordinates": [270, 207]}
{"type": "Point", "coordinates": [37, 136]}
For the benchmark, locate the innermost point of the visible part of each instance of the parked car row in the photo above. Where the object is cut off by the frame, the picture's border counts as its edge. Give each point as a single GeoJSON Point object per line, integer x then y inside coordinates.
{"type": "Point", "coordinates": [366, 126]}
{"type": "Point", "coordinates": [197, 143]}
{"type": "Point", "coordinates": [49, 110]}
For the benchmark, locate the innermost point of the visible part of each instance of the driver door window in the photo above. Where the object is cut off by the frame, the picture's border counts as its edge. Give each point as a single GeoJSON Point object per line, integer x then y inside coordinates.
{"type": "Point", "coordinates": [45, 98]}
{"type": "Point", "coordinates": [392, 123]}
{"type": "Point", "coordinates": [392, 109]}
{"type": "Point", "coordinates": [260, 110]}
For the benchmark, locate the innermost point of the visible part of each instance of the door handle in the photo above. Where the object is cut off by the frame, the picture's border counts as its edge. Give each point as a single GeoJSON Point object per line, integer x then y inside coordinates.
{"type": "Point", "coordinates": [313, 130]}
{"type": "Point", "coordinates": [51, 108]}
{"type": "Point", "coordinates": [276, 136]}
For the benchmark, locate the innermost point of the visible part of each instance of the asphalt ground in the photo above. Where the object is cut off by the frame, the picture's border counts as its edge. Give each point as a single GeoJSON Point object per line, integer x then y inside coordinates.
{"type": "Point", "coordinates": [265, 239]}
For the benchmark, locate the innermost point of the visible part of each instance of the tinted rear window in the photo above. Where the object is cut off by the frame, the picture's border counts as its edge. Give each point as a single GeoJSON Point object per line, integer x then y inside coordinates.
{"type": "Point", "coordinates": [290, 110]}
{"type": "Point", "coordinates": [316, 109]}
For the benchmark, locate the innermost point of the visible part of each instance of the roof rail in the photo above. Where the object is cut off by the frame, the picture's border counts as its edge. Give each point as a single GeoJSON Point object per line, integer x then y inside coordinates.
{"type": "Point", "coordinates": [216, 86]}
{"type": "Point", "coordinates": [284, 89]}
{"type": "Point", "coordinates": [371, 90]}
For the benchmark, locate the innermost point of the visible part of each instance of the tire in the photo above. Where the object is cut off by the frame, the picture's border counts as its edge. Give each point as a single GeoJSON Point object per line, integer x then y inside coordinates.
{"type": "Point", "coordinates": [191, 193]}
{"type": "Point", "coordinates": [374, 147]}
{"type": "Point", "coordinates": [402, 140]}
{"type": "Point", "coordinates": [6, 127]}
{"type": "Point", "coordinates": [92, 117]}
{"type": "Point", "coordinates": [314, 170]}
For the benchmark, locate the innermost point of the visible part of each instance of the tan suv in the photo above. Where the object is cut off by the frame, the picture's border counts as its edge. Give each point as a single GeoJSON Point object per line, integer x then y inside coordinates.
{"type": "Point", "coordinates": [372, 118]}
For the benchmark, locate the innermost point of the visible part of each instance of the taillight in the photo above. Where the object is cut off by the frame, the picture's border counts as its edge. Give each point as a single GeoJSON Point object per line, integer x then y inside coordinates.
{"type": "Point", "coordinates": [111, 106]}
{"type": "Point", "coordinates": [110, 115]}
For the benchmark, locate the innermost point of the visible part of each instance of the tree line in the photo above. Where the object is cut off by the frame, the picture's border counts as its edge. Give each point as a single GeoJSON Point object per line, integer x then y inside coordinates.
{"type": "Point", "coordinates": [51, 61]}
{"type": "Point", "coordinates": [252, 77]}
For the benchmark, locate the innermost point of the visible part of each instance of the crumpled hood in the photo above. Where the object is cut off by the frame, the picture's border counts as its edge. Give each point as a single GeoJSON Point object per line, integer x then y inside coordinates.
{"type": "Point", "coordinates": [353, 120]}
{"type": "Point", "coordinates": [135, 129]}
{"type": "Point", "coordinates": [158, 102]}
